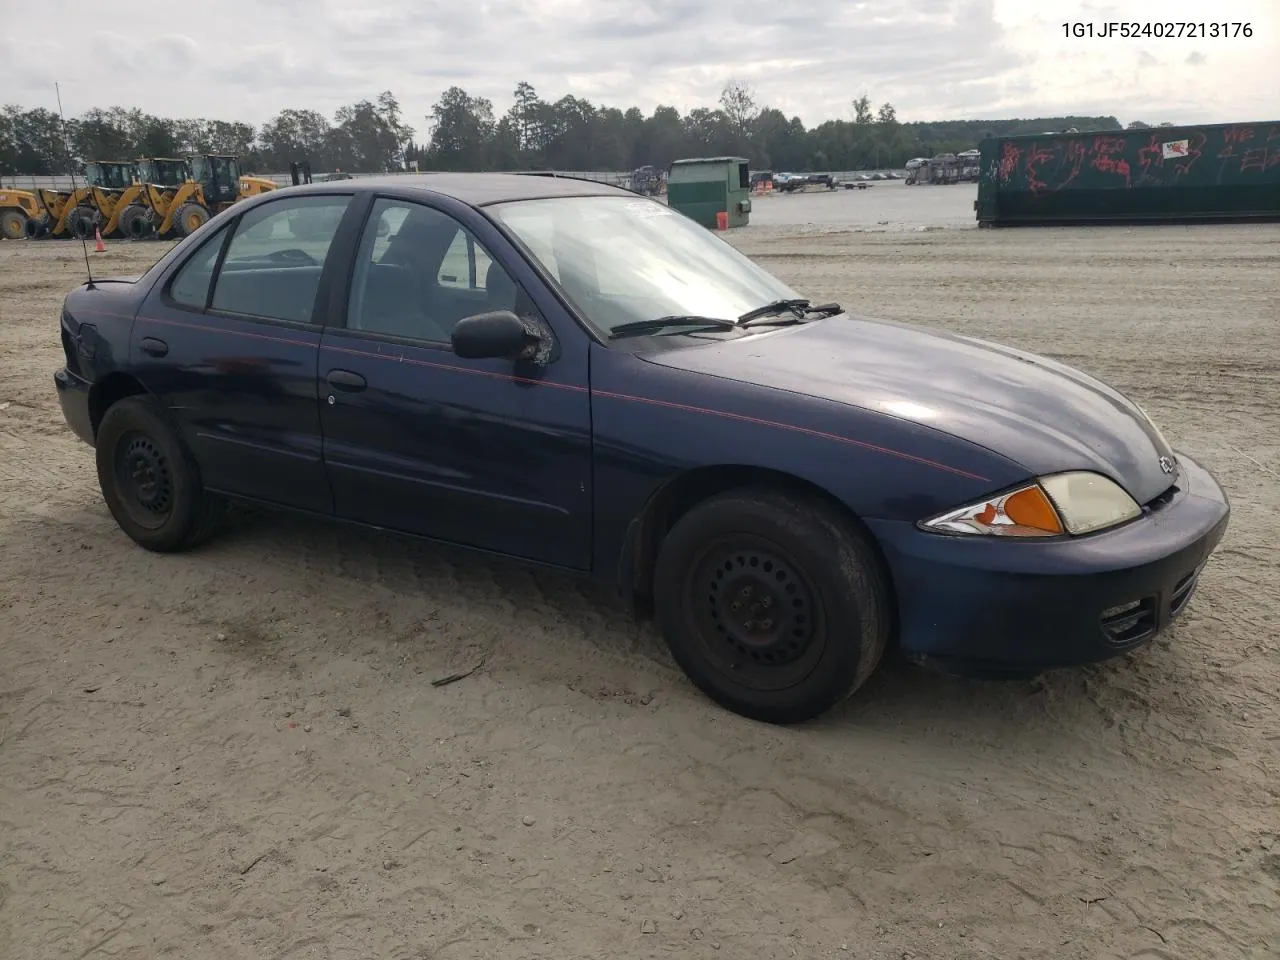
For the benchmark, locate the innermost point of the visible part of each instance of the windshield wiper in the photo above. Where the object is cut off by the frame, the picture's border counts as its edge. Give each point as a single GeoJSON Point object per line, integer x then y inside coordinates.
{"type": "Point", "coordinates": [649, 326]}
{"type": "Point", "coordinates": [777, 306]}
{"type": "Point", "coordinates": [798, 308]}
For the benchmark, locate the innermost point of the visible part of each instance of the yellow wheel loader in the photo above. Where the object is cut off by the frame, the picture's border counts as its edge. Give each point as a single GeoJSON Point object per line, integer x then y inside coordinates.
{"type": "Point", "coordinates": [115, 190]}
{"type": "Point", "coordinates": [66, 213]}
{"type": "Point", "coordinates": [16, 208]}
{"type": "Point", "coordinates": [159, 179]}
{"type": "Point", "coordinates": [212, 184]}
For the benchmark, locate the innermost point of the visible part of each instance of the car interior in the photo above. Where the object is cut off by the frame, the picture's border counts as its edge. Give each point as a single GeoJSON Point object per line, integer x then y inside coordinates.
{"type": "Point", "coordinates": [418, 272]}
{"type": "Point", "coordinates": [427, 277]}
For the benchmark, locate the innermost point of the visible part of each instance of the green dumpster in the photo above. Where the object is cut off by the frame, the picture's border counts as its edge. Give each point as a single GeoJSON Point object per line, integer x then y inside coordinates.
{"type": "Point", "coordinates": [702, 187]}
{"type": "Point", "coordinates": [1223, 171]}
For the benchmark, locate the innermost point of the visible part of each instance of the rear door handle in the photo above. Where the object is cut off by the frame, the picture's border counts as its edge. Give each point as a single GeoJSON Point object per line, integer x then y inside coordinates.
{"type": "Point", "coordinates": [156, 348]}
{"type": "Point", "coordinates": [345, 380]}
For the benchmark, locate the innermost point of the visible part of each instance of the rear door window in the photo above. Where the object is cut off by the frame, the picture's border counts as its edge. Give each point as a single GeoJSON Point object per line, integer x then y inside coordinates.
{"type": "Point", "coordinates": [190, 285]}
{"type": "Point", "coordinates": [273, 265]}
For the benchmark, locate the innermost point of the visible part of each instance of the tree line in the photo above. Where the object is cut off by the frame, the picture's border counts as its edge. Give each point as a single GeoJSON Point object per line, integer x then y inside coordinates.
{"type": "Point", "coordinates": [463, 132]}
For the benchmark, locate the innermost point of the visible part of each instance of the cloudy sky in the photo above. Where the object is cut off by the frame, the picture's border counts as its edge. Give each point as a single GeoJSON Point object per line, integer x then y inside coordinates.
{"type": "Point", "coordinates": [933, 59]}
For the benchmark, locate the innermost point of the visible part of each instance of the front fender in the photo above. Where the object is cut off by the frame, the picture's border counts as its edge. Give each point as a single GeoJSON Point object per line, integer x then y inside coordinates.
{"type": "Point", "coordinates": [654, 424]}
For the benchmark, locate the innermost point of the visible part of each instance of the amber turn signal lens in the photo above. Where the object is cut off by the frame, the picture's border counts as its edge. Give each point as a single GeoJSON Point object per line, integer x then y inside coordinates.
{"type": "Point", "coordinates": [1030, 507]}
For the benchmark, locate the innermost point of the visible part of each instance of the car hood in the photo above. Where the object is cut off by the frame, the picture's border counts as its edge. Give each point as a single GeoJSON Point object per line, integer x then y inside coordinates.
{"type": "Point", "coordinates": [1039, 413]}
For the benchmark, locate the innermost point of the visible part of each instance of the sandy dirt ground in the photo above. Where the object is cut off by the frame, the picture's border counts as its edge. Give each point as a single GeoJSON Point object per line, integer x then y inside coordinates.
{"type": "Point", "coordinates": [238, 753]}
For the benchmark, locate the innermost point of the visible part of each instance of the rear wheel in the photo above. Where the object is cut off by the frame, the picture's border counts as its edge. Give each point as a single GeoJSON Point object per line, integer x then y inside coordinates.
{"type": "Point", "coordinates": [775, 607]}
{"type": "Point", "coordinates": [80, 223]}
{"type": "Point", "coordinates": [12, 224]}
{"type": "Point", "coordinates": [190, 218]}
{"type": "Point", "coordinates": [150, 481]}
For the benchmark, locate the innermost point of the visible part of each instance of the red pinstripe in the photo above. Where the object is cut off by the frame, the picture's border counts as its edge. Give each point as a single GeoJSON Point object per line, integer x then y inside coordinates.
{"type": "Point", "coordinates": [628, 398]}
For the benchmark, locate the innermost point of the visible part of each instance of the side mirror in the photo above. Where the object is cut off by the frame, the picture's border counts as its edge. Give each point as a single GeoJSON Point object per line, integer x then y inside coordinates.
{"type": "Point", "coordinates": [497, 334]}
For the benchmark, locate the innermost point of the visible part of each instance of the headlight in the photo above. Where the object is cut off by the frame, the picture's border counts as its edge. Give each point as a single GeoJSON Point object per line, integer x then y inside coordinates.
{"type": "Point", "coordinates": [1074, 503]}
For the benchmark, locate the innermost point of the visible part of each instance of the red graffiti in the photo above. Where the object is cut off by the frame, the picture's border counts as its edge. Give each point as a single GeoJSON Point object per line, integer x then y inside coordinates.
{"type": "Point", "coordinates": [1257, 158]}
{"type": "Point", "coordinates": [1038, 157]}
{"type": "Point", "coordinates": [1152, 159]}
{"type": "Point", "coordinates": [1273, 155]}
{"type": "Point", "coordinates": [1105, 150]}
{"type": "Point", "coordinates": [1253, 159]}
{"type": "Point", "coordinates": [1233, 137]}
{"type": "Point", "coordinates": [1197, 141]}
{"type": "Point", "coordinates": [1009, 156]}
{"type": "Point", "coordinates": [1152, 155]}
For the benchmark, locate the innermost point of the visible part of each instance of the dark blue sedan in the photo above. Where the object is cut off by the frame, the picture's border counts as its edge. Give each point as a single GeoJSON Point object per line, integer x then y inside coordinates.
{"type": "Point", "coordinates": [569, 374]}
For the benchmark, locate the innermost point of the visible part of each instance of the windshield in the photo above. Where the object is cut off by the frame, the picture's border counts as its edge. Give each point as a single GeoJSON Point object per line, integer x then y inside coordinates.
{"type": "Point", "coordinates": [623, 260]}
{"type": "Point", "coordinates": [110, 176]}
{"type": "Point", "coordinates": [164, 173]}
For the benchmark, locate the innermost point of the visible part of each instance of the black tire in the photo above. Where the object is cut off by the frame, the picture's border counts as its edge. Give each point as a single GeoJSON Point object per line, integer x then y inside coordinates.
{"type": "Point", "coordinates": [143, 227]}
{"type": "Point", "coordinates": [791, 554]}
{"type": "Point", "coordinates": [150, 481]}
{"type": "Point", "coordinates": [132, 221]}
{"type": "Point", "coordinates": [36, 228]}
{"type": "Point", "coordinates": [189, 218]}
{"type": "Point", "coordinates": [80, 223]}
{"type": "Point", "coordinates": [13, 224]}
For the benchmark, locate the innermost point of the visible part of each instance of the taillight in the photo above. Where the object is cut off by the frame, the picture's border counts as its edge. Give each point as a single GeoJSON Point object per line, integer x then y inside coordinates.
{"type": "Point", "coordinates": [69, 347]}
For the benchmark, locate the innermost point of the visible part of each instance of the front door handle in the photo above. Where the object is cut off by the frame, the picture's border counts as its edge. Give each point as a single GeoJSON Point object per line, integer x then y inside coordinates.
{"type": "Point", "coordinates": [345, 380]}
{"type": "Point", "coordinates": [154, 347]}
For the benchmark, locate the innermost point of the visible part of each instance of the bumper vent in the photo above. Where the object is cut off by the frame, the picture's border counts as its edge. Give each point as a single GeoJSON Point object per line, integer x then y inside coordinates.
{"type": "Point", "coordinates": [1136, 621]}
{"type": "Point", "coordinates": [1130, 622]}
{"type": "Point", "coordinates": [1182, 593]}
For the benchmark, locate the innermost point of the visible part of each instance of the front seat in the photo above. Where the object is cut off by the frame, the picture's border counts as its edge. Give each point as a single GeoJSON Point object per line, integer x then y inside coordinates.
{"type": "Point", "coordinates": [401, 288]}
{"type": "Point", "coordinates": [505, 294]}
{"type": "Point", "coordinates": [500, 290]}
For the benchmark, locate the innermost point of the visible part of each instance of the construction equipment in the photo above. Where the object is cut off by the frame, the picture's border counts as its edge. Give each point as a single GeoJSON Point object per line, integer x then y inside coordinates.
{"type": "Point", "coordinates": [74, 213]}
{"type": "Point", "coordinates": [64, 213]}
{"type": "Point", "coordinates": [115, 188]}
{"type": "Point", "coordinates": [646, 181]}
{"type": "Point", "coordinates": [161, 176]}
{"type": "Point", "coordinates": [16, 208]}
{"type": "Point", "coordinates": [178, 207]}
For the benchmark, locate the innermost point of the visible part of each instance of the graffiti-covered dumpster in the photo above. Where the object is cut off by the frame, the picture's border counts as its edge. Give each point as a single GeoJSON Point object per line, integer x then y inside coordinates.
{"type": "Point", "coordinates": [1220, 171]}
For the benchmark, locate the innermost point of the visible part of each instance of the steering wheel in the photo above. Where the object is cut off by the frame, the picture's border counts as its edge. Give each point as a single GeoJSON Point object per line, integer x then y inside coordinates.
{"type": "Point", "coordinates": [293, 255]}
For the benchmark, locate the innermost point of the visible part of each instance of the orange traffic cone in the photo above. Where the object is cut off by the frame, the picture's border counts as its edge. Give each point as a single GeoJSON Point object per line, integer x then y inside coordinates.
{"type": "Point", "coordinates": [99, 246]}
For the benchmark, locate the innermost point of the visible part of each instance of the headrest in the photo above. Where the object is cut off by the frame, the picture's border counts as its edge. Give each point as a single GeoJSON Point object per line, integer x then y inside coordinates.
{"type": "Point", "coordinates": [498, 283]}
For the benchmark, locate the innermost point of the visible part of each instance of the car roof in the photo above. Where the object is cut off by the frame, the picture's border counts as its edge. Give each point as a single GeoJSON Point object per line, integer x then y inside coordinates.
{"type": "Point", "coordinates": [481, 189]}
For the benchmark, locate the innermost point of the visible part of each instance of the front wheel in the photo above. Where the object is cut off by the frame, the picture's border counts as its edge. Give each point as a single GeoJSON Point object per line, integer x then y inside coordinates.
{"type": "Point", "coordinates": [775, 607]}
{"type": "Point", "coordinates": [150, 481]}
{"type": "Point", "coordinates": [80, 223]}
{"type": "Point", "coordinates": [132, 222]}
{"type": "Point", "coordinates": [190, 218]}
{"type": "Point", "coordinates": [12, 223]}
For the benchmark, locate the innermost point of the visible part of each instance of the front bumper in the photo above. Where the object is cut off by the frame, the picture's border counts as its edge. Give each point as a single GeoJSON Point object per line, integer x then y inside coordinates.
{"type": "Point", "coordinates": [982, 605]}
{"type": "Point", "coordinates": [73, 396]}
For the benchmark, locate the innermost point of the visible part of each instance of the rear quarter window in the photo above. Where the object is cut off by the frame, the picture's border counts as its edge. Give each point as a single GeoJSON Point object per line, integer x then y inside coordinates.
{"type": "Point", "coordinates": [190, 285]}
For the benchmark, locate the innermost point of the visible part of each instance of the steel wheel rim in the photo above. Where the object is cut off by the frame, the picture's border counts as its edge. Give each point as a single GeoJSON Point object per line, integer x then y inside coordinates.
{"type": "Point", "coordinates": [144, 480]}
{"type": "Point", "coordinates": [755, 613]}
